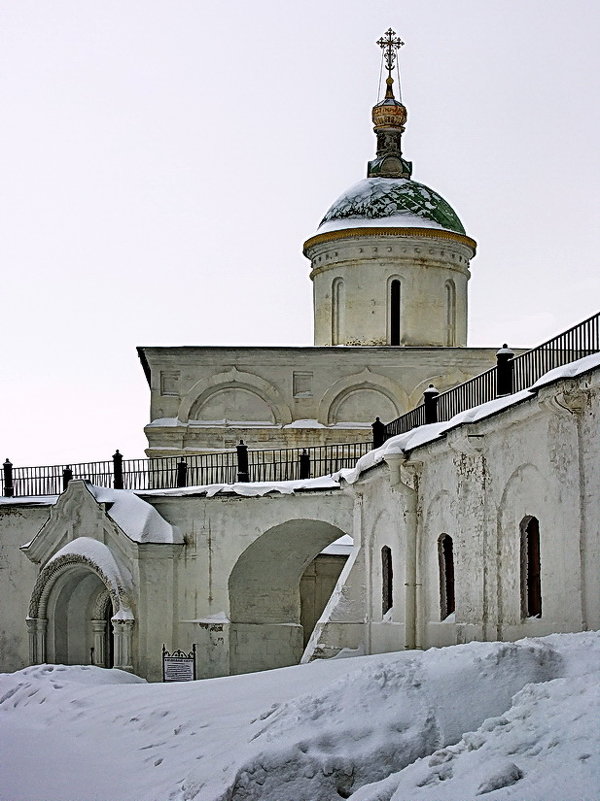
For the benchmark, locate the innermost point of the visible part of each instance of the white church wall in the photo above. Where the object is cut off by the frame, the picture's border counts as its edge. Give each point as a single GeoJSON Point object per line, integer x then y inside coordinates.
{"type": "Point", "coordinates": [589, 455]}
{"type": "Point", "coordinates": [229, 579]}
{"type": "Point", "coordinates": [239, 576]}
{"type": "Point", "coordinates": [302, 396]}
{"type": "Point", "coordinates": [19, 523]}
{"type": "Point", "coordinates": [477, 484]}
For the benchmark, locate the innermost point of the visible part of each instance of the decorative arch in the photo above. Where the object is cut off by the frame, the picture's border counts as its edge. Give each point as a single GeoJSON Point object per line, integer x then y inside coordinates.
{"type": "Point", "coordinates": [202, 391]}
{"type": "Point", "coordinates": [331, 402]}
{"type": "Point", "coordinates": [82, 581]}
{"type": "Point", "coordinates": [442, 381]}
{"type": "Point", "coordinates": [67, 561]}
{"type": "Point", "coordinates": [524, 496]}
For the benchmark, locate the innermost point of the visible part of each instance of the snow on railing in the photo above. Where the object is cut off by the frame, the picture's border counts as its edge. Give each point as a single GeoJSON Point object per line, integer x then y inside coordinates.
{"type": "Point", "coordinates": [511, 374]}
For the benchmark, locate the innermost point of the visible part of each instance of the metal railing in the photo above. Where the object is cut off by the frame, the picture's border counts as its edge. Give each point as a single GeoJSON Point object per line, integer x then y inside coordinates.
{"type": "Point", "coordinates": [282, 464]}
{"type": "Point", "coordinates": [170, 472]}
{"type": "Point", "coordinates": [521, 371]}
{"type": "Point", "coordinates": [285, 464]}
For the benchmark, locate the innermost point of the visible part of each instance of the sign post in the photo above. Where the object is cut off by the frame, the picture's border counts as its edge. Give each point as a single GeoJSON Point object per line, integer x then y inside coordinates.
{"type": "Point", "coordinates": [179, 666]}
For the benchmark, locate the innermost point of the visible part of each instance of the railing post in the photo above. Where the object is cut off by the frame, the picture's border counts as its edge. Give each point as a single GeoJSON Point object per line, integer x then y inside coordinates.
{"type": "Point", "coordinates": [182, 468]}
{"type": "Point", "coordinates": [504, 371]}
{"type": "Point", "coordinates": [430, 401]}
{"type": "Point", "coordinates": [66, 476]}
{"type": "Point", "coordinates": [378, 432]}
{"type": "Point", "coordinates": [305, 464]}
{"type": "Point", "coordinates": [242, 462]}
{"type": "Point", "coordinates": [117, 470]}
{"type": "Point", "coordinates": [9, 489]}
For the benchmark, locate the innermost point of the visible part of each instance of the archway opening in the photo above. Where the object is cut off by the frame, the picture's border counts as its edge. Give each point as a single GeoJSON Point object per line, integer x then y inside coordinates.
{"type": "Point", "coordinates": [78, 632]}
{"type": "Point", "coordinates": [264, 594]}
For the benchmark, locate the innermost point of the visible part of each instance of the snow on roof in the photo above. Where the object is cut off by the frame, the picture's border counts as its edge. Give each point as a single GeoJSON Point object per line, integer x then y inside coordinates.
{"type": "Point", "coordinates": [395, 202]}
{"type": "Point", "coordinates": [137, 519]}
{"type": "Point", "coordinates": [99, 555]}
{"type": "Point", "coordinates": [249, 489]}
{"type": "Point", "coordinates": [37, 500]}
{"type": "Point", "coordinates": [393, 221]}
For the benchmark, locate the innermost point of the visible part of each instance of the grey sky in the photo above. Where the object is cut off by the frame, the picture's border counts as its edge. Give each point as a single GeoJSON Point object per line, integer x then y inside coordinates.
{"type": "Point", "coordinates": [163, 162]}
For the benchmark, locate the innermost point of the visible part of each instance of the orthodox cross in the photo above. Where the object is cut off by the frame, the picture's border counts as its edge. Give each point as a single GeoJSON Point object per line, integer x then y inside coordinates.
{"type": "Point", "coordinates": [390, 44]}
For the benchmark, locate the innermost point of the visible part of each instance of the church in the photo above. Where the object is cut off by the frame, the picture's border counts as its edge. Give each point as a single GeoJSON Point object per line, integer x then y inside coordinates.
{"type": "Point", "coordinates": [278, 519]}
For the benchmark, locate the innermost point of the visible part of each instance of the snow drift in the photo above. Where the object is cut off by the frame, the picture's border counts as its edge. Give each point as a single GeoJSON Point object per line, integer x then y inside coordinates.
{"type": "Point", "coordinates": [498, 720]}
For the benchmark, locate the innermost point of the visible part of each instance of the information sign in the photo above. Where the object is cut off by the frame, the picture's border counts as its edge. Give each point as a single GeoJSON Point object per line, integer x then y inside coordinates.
{"type": "Point", "coordinates": [178, 665]}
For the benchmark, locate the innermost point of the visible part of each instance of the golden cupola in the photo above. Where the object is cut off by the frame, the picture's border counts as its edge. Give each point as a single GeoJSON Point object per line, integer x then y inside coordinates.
{"type": "Point", "coordinates": [389, 118]}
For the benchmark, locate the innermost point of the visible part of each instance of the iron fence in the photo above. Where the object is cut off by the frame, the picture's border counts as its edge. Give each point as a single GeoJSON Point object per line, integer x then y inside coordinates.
{"type": "Point", "coordinates": [283, 464]}
{"type": "Point", "coordinates": [581, 340]}
{"type": "Point", "coordinates": [169, 472]}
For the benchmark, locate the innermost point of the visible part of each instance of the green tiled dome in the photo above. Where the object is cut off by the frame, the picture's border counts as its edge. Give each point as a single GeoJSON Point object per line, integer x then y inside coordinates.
{"type": "Point", "coordinates": [394, 202]}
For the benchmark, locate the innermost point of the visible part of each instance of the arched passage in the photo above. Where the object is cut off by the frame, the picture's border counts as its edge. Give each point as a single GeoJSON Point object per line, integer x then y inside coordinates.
{"type": "Point", "coordinates": [79, 630]}
{"type": "Point", "coordinates": [79, 611]}
{"type": "Point", "coordinates": [264, 594]}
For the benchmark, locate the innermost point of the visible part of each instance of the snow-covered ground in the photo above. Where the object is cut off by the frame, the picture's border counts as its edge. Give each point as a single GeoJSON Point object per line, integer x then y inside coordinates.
{"type": "Point", "coordinates": [499, 720]}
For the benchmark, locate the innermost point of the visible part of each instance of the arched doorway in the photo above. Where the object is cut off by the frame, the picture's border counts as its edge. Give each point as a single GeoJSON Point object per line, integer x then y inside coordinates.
{"type": "Point", "coordinates": [78, 613]}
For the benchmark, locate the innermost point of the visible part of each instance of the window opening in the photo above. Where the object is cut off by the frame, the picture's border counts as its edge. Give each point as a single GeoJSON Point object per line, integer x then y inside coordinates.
{"type": "Point", "coordinates": [395, 312]}
{"type": "Point", "coordinates": [451, 313]}
{"type": "Point", "coordinates": [337, 312]}
{"type": "Point", "coordinates": [531, 585]}
{"type": "Point", "coordinates": [446, 561]}
{"type": "Point", "coordinates": [387, 580]}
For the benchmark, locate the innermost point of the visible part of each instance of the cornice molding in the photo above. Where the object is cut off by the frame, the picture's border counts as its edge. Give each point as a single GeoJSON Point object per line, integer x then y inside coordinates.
{"type": "Point", "coordinates": [356, 233]}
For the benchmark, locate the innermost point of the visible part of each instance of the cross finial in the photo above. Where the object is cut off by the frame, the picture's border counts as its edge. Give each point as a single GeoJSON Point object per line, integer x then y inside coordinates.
{"type": "Point", "coordinates": [390, 44]}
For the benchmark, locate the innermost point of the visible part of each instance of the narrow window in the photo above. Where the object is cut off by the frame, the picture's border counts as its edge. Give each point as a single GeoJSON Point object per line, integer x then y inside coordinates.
{"type": "Point", "coordinates": [446, 561]}
{"type": "Point", "coordinates": [387, 580]}
{"type": "Point", "coordinates": [337, 312]}
{"type": "Point", "coordinates": [395, 312]}
{"type": "Point", "coordinates": [451, 313]}
{"type": "Point", "coordinates": [531, 585]}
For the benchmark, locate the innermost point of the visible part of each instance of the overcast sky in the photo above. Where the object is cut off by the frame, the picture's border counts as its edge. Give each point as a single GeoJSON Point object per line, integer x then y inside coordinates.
{"type": "Point", "coordinates": [163, 161]}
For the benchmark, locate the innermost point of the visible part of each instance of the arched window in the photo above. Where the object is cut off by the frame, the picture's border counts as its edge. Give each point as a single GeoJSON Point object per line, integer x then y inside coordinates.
{"type": "Point", "coordinates": [337, 312]}
{"type": "Point", "coordinates": [446, 562]}
{"type": "Point", "coordinates": [450, 313]}
{"type": "Point", "coordinates": [387, 580]}
{"type": "Point", "coordinates": [394, 311]}
{"type": "Point", "coordinates": [531, 585]}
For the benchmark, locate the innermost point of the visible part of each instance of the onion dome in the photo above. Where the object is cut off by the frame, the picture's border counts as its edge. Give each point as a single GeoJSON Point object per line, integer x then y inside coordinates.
{"type": "Point", "coordinates": [390, 203]}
